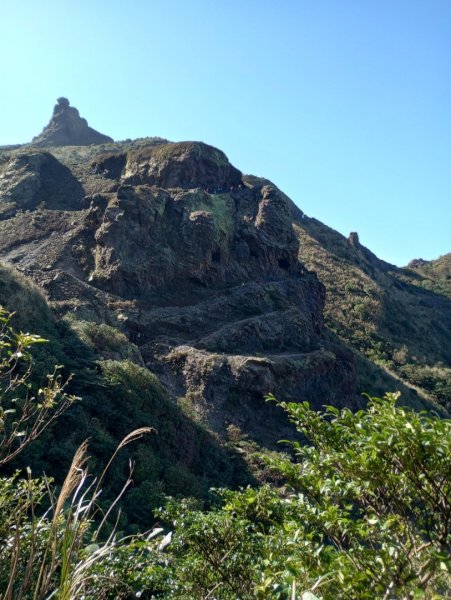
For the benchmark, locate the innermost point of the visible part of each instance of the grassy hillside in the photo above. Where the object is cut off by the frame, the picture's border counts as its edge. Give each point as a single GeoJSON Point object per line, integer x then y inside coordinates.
{"type": "Point", "coordinates": [399, 319]}
{"type": "Point", "coordinates": [117, 396]}
{"type": "Point", "coordinates": [434, 275]}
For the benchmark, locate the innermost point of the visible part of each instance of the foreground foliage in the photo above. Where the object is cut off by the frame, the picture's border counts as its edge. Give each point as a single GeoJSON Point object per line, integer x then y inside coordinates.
{"type": "Point", "coordinates": [25, 413]}
{"type": "Point", "coordinates": [49, 544]}
{"type": "Point", "coordinates": [363, 513]}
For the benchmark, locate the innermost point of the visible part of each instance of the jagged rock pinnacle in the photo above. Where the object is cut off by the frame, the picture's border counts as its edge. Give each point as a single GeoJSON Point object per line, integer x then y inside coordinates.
{"type": "Point", "coordinates": [67, 128]}
{"type": "Point", "coordinates": [353, 239]}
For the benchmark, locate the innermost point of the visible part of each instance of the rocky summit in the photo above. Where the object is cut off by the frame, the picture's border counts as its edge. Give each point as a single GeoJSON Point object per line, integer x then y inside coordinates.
{"type": "Point", "coordinates": [67, 128]}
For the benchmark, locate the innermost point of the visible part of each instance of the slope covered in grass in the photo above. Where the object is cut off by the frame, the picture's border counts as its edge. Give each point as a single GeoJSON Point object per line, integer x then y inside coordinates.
{"type": "Point", "coordinates": [399, 319]}
{"type": "Point", "coordinates": [117, 395]}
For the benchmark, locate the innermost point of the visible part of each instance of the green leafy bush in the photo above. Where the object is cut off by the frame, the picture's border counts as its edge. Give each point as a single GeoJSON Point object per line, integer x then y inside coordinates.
{"type": "Point", "coordinates": [25, 413]}
{"type": "Point", "coordinates": [365, 513]}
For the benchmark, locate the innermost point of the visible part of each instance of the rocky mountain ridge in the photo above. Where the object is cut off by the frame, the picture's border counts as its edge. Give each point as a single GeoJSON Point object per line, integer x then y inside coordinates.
{"type": "Point", "coordinates": [398, 318]}
{"type": "Point", "coordinates": [195, 263]}
{"type": "Point", "coordinates": [217, 278]}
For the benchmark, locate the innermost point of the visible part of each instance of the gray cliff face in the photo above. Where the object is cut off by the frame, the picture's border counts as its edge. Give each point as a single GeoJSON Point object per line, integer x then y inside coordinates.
{"type": "Point", "coordinates": [196, 264]}
{"type": "Point", "coordinates": [37, 178]}
{"type": "Point", "coordinates": [67, 128]}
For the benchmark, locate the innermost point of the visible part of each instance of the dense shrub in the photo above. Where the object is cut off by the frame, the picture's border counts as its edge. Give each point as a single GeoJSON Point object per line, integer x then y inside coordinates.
{"type": "Point", "coordinates": [364, 514]}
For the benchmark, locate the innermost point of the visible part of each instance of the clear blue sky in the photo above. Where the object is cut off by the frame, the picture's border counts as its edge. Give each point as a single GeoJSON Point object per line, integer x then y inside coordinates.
{"type": "Point", "coordinates": [344, 104]}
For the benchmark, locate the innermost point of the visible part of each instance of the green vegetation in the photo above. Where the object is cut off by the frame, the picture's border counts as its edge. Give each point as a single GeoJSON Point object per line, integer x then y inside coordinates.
{"type": "Point", "coordinates": [359, 509]}
{"type": "Point", "coordinates": [119, 395]}
{"type": "Point", "coordinates": [55, 553]}
{"type": "Point", "coordinates": [53, 536]}
{"type": "Point", "coordinates": [434, 275]}
{"type": "Point", "coordinates": [25, 413]}
{"type": "Point", "coordinates": [106, 341]}
{"type": "Point", "coordinates": [219, 205]}
{"type": "Point", "coordinates": [399, 319]}
{"type": "Point", "coordinates": [363, 513]}
{"type": "Point", "coordinates": [25, 298]}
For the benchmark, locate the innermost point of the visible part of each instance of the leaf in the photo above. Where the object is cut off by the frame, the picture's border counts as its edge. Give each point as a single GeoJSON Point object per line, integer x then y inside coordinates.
{"type": "Point", "coordinates": [92, 548]}
{"type": "Point", "coordinates": [445, 566]}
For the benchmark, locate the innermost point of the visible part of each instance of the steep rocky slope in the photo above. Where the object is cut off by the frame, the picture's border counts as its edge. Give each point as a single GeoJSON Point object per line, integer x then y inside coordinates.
{"type": "Point", "coordinates": [196, 265]}
{"type": "Point", "coordinates": [180, 292]}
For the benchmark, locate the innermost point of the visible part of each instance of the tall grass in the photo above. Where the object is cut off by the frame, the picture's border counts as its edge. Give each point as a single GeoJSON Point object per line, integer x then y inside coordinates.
{"type": "Point", "coordinates": [54, 554]}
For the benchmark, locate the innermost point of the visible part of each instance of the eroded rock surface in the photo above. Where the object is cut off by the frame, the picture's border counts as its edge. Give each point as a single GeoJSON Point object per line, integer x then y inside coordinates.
{"type": "Point", "coordinates": [196, 264]}
{"type": "Point", "coordinates": [37, 178]}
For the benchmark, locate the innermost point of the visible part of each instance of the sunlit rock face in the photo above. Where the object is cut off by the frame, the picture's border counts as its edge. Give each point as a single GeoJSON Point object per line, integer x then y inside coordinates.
{"type": "Point", "coordinates": [67, 128]}
{"type": "Point", "coordinates": [197, 264]}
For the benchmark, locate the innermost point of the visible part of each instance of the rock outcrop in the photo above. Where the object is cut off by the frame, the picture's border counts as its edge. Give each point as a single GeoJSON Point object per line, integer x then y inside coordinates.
{"type": "Point", "coordinates": [67, 128]}
{"type": "Point", "coordinates": [353, 239]}
{"type": "Point", "coordinates": [185, 165]}
{"type": "Point", "coordinates": [33, 179]}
